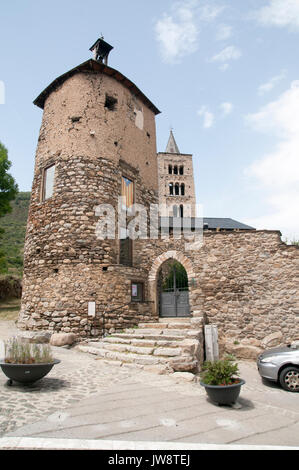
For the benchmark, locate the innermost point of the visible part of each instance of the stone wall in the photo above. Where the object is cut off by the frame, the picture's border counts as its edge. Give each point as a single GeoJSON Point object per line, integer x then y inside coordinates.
{"type": "Point", "coordinates": [244, 282]}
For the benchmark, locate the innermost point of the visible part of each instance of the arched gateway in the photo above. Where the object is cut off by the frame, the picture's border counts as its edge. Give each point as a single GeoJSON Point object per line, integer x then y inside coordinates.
{"type": "Point", "coordinates": [169, 282]}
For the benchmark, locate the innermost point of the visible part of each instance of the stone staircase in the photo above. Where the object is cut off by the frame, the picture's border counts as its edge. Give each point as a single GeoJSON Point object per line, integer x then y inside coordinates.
{"type": "Point", "coordinates": [163, 347]}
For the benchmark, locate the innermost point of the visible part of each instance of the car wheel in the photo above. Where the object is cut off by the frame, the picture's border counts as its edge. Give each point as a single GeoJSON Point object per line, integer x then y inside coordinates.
{"type": "Point", "coordinates": [289, 379]}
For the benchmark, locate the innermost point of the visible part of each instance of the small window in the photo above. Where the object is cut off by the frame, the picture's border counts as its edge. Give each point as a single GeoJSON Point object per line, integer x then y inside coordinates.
{"type": "Point", "coordinates": [126, 252]}
{"type": "Point", "coordinates": [181, 210]}
{"type": "Point", "coordinates": [181, 170]}
{"type": "Point", "coordinates": [170, 169]}
{"type": "Point", "coordinates": [171, 189]}
{"type": "Point", "coordinates": [48, 182]}
{"type": "Point", "coordinates": [175, 170]}
{"type": "Point", "coordinates": [127, 191]}
{"type": "Point", "coordinates": [182, 189]}
{"type": "Point", "coordinates": [137, 292]}
{"type": "Point", "coordinates": [110, 103]}
{"type": "Point", "coordinates": [177, 189]}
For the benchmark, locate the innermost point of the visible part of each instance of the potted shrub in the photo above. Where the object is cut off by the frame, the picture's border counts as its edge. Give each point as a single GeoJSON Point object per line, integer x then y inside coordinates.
{"type": "Point", "coordinates": [221, 380]}
{"type": "Point", "coordinates": [26, 363]}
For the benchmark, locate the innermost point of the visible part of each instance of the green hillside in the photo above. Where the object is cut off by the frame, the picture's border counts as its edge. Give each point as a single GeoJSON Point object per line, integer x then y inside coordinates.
{"type": "Point", "coordinates": [12, 240]}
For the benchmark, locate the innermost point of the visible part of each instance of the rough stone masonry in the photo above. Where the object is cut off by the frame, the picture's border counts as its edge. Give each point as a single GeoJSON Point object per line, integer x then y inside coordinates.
{"type": "Point", "coordinates": [97, 128]}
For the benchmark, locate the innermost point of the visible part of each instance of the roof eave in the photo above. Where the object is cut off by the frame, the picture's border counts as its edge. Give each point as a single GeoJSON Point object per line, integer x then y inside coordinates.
{"type": "Point", "coordinates": [94, 66]}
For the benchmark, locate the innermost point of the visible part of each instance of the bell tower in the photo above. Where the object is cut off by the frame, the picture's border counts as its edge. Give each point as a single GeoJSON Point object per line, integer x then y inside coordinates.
{"type": "Point", "coordinates": [176, 181]}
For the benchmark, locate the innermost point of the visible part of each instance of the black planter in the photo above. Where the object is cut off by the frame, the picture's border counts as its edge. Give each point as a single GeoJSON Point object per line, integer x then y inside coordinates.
{"type": "Point", "coordinates": [26, 373]}
{"type": "Point", "coordinates": [224, 394]}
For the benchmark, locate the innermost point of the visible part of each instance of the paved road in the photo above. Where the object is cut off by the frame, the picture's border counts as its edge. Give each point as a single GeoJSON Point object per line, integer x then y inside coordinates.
{"type": "Point", "coordinates": [86, 398]}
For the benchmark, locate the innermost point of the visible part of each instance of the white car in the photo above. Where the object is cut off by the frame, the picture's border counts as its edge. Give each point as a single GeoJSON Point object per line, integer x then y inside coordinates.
{"type": "Point", "coordinates": [281, 365]}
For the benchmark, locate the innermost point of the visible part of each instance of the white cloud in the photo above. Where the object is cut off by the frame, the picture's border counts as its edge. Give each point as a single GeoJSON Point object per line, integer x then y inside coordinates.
{"type": "Point", "coordinates": [210, 12]}
{"type": "Point", "coordinates": [224, 32]}
{"type": "Point", "coordinates": [279, 13]}
{"type": "Point", "coordinates": [224, 67]}
{"type": "Point", "coordinates": [280, 116]}
{"type": "Point", "coordinates": [227, 54]}
{"type": "Point", "coordinates": [178, 33]}
{"type": "Point", "coordinates": [278, 171]}
{"type": "Point", "coordinates": [208, 117]}
{"type": "Point", "coordinates": [268, 86]}
{"type": "Point", "coordinates": [226, 108]}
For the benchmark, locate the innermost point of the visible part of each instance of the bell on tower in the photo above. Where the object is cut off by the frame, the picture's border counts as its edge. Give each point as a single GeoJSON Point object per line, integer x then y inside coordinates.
{"type": "Point", "coordinates": [101, 50]}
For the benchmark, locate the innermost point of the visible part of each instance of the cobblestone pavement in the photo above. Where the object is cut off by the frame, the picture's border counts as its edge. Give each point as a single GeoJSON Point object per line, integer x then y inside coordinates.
{"type": "Point", "coordinates": [77, 377]}
{"type": "Point", "coordinates": [86, 398]}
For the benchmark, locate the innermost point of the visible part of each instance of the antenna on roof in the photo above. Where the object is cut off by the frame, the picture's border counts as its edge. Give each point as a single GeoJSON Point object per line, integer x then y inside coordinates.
{"type": "Point", "coordinates": [101, 50]}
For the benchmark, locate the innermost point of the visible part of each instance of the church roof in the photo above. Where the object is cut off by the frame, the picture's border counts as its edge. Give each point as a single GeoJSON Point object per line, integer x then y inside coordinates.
{"type": "Point", "coordinates": [172, 145]}
{"type": "Point", "coordinates": [209, 223]}
{"type": "Point", "coordinates": [94, 66]}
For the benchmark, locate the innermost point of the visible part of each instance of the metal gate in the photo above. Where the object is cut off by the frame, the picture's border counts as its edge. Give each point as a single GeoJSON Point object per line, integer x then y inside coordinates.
{"type": "Point", "coordinates": [174, 291]}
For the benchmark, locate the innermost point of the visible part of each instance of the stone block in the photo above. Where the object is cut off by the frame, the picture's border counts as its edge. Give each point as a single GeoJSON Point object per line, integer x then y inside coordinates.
{"type": "Point", "coordinates": [62, 339]}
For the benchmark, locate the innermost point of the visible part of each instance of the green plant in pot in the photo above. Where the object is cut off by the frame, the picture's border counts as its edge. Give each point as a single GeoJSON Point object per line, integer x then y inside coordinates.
{"type": "Point", "coordinates": [26, 363]}
{"type": "Point", "coordinates": [221, 380]}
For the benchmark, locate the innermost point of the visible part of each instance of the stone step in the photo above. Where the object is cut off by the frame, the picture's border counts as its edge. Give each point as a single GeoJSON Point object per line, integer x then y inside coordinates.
{"type": "Point", "coordinates": [151, 337]}
{"type": "Point", "coordinates": [141, 359]}
{"type": "Point", "coordinates": [159, 350]}
{"type": "Point", "coordinates": [162, 325]}
{"type": "Point", "coordinates": [142, 342]}
{"type": "Point", "coordinates": [156, 332]}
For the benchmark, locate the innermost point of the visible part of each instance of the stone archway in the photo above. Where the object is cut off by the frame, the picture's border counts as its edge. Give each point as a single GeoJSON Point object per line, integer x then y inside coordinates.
{"type": "Point", "coordinates": [153, 274]}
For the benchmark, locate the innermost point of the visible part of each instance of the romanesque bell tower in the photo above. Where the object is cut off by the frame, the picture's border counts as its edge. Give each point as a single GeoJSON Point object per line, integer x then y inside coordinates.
{"type": "Point", "coordinates": [176, 181]}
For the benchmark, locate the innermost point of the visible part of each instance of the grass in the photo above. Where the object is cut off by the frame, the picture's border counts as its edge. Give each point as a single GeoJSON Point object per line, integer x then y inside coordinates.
{"type": "Point", "coordinates": [9, 309]}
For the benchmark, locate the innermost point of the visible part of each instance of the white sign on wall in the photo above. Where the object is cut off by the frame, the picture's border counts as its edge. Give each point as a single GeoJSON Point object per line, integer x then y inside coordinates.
{"type": "Point", "coordinates": [92, 309]}
{"type": "Point", "coordinates": [211, 342]}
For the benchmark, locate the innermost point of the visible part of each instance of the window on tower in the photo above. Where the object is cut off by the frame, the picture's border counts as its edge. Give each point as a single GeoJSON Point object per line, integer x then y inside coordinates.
{"type": "Point", "coordinates": [171, 189]}
{"type": "Point", "coordinates": [48, 182]}
{"type": "Point", "coordinates": [170, 169]}
{"type": "Point", "coordinates": [182, 189]}
{"type": "Point", "coordinates": [175, 170]}
{"type": "Point", "coordinates": [177, 189]}
{"type": "Point", "coordinates": [181, 170]}
{"type": "Point", "coordinates": [127, 191]}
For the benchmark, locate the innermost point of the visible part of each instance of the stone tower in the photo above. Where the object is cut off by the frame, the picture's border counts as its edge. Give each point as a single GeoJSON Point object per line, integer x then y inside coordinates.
{"type": "Point", "coordinates": [97, 142]}
{"type": "Point", "coordinates": [176, 181]}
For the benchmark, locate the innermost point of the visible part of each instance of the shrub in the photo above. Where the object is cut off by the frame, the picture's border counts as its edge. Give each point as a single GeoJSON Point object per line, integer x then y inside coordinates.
{"type": "Point", "coordinates": [19, 352]}
{"type": "Point", "coordinates": [222, 372]}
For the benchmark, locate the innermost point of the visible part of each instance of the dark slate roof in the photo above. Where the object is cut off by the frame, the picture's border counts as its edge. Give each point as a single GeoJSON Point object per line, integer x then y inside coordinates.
{"type": "Point", "coordinates": [209, 223]}
{"type": "Point", "coordinates": [94, 66]}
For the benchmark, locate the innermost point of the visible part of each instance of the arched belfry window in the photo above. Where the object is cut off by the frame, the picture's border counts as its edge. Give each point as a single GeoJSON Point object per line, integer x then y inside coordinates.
{"type": "Point", "coordinates": [177, 189]}
{"type": "Point", "coordinates": [181, 210]}
{"type": "Point", "coordinates": [182, 189]}
{"type": "Point", "coordinates": [181, 170]}
{"type": "Point", "coordinates": [171, 189]}
{"type": "Point", "coordinates": [175, 169]}
{"type": "Point", "coordinates": [170, 169]}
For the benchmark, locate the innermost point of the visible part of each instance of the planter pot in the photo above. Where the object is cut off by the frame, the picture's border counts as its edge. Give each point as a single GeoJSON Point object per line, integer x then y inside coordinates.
{"type": "Point", "coordinates": [26, 373]}
{"type": "Point", "coordinates": [224, 394]}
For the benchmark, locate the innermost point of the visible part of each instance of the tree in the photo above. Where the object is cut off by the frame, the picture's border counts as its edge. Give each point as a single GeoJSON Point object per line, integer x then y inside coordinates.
{"type": "Point", "coordinates": [8, 186]}
{"type": "Point", "coordinates": [8, 192]}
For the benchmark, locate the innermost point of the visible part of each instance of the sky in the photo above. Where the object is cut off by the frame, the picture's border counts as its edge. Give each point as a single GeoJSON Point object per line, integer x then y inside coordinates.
{"type": "Point", "coordinates": [224, 73]}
